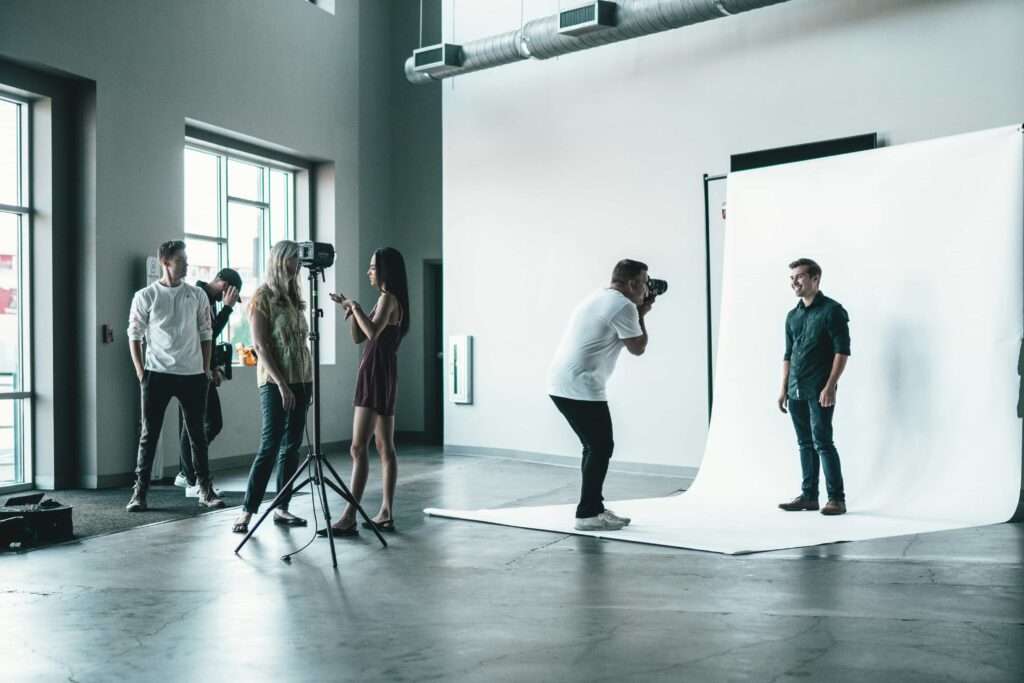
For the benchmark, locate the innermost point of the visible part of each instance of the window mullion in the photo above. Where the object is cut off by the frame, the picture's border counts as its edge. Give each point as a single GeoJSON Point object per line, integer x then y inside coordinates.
{"type": "Point", "coordinates": [224, 229]}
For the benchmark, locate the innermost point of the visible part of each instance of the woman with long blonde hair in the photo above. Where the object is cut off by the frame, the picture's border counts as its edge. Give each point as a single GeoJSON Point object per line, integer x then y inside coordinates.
{"type": "Point", "coordinates": [284, 374]}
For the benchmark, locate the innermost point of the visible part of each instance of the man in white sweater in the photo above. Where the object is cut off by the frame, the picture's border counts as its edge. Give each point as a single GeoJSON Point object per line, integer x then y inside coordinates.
{"type": "Point", "coordinates": [173, 319]}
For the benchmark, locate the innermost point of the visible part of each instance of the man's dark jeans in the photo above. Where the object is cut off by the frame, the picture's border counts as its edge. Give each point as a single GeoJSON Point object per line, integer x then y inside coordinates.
{"type": "Point", "coordinates": [593, 425]}
{"type": "Point", "coordinates": [213, 423]}
{"type": "Point", "coordinates": [158, 388]}
{"type": "Point", "coordinates": [280, 439]}
{"type": "Point", "coordinates": [813, 426]}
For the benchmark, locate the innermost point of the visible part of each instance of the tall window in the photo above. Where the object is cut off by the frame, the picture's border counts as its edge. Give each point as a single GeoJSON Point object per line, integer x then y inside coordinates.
{"type": "Point", "coordinates": [236, 207]}
{"type": "Point", "coordinates": [15, 223]}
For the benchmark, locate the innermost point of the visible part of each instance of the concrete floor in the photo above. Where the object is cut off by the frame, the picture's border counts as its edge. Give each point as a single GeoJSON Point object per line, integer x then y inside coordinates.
{"type": "Point", "coordinates": [453, 600]}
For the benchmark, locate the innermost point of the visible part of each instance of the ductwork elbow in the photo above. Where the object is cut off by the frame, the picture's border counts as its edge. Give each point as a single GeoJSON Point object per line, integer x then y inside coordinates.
{"type": "Point", "coordinates": [413, 76]}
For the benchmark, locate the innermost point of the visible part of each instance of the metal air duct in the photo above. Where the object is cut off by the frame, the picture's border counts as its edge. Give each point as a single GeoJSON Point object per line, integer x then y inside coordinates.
{"type": "Point", "coordinates": [541, 39]}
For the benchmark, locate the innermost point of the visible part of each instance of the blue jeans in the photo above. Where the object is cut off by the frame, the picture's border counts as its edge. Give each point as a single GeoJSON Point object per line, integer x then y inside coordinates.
{"type": "Point", "coordinates": [813, 426]}
{"type": "Point", "coordinates": [280, 440]}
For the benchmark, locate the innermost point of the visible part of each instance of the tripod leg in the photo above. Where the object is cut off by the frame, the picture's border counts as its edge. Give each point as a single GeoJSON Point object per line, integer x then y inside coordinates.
{"type": "Point", "coordinates": [317, 463]}
{"type": "Point", "coordinates": [345, 493]}
{"type": "Point", "coordinates": [276, 502]}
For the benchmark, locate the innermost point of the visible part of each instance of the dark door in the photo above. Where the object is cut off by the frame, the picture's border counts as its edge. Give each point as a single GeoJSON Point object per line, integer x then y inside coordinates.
{"type": "Point", "coordinates": [433, 347]}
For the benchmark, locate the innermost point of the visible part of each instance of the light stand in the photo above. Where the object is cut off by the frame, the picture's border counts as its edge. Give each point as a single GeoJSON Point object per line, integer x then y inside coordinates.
{"type": "Point", "coordinates": [318, 479]}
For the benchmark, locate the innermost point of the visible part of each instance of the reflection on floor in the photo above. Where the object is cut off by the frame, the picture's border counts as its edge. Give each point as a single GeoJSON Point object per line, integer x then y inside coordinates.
{"type": "Point", "coordinates": [455, 600]}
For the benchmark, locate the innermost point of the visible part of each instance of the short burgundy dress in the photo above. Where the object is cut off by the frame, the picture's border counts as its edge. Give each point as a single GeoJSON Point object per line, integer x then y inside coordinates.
{"type": "Point", "coordinates": [377, 379]}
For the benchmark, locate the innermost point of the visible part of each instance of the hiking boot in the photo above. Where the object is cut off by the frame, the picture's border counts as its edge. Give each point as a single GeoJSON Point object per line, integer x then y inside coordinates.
{"type": "Point", "coordinates": [208, 497]}
{"type": "Point", "coordinates": [834, 507]}
{"type": "Point", "coordinates": [799, 504]}
{"type": "Point", "coordinates": [138, 500]}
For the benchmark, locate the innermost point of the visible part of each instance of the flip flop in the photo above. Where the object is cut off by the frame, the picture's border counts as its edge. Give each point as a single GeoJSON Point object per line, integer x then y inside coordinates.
{"type": "Point", "coordinates": [386, 525]}
{"type": "Point", "coordinates": [290, 521]}
{"type": "Point", "coordinates": [240, 528]}
{"type": "Point", "coordinates": [339, 533]}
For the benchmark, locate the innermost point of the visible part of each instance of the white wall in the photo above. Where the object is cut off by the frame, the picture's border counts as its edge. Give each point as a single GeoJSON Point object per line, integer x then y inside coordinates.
{"type": "Point", "coordinates": [555, 169]}
{"type": "Point", "coordinates": [283, 71]}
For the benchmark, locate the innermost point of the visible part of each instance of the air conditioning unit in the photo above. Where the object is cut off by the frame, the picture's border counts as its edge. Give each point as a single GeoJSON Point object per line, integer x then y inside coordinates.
{"type": "Point", "coordinates": [592, 16]}
{"type": "Point", "coordinates": [437, 60]}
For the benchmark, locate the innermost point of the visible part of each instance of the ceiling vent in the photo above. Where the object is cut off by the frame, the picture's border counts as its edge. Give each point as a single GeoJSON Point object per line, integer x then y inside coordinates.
{"type": "Point", "coordinates": [593, 16]}
{"type": "Point", "coordinates": [437, 60]}
{"type": "Point", "coordinates": [580, 28]}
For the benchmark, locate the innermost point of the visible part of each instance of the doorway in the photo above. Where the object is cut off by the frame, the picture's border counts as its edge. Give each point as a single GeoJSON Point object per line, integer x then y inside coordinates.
{"type": "Point", "coordinates": [433, 351]}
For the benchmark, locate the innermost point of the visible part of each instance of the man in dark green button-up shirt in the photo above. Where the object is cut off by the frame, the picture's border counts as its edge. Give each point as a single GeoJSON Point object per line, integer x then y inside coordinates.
{"type": "Point", "coordinates": [817, 349]}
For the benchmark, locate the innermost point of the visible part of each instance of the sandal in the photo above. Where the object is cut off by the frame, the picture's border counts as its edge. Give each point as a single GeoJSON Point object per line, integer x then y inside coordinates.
{"type": "Point", "coordinates": [339, 533]}
{"type": "Point", "coordinates": [241, 527]}
{"type": "Point", "coordinates": [290, 520]}
{"type": "Point", "coordinates": [386, 525]}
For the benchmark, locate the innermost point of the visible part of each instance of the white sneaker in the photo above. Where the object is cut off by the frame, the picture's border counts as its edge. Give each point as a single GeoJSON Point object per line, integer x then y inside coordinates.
{"type": "Point", "coordinates": [602, 522]}
{"type": "Point", "coordinates": [181, 481]}
{"type": "Point", "coordinates": [192, 491]}
{"type": "Point", "coordinates": [625, 520]}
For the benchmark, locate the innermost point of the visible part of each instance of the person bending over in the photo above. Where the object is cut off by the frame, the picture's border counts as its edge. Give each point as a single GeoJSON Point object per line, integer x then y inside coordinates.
{"type": "Point", "coordinates": [284, 374]}
{"type": "Point", "coordinates": [173, 318]}
{"type": "Point", "coordinates": [224, 288]}
{"type": "Point", "coordinates": [817, 349]}
{"type": "Point", "coordinates": [599, 328]}
{"type": "Point", "coordinates": [376, 383]}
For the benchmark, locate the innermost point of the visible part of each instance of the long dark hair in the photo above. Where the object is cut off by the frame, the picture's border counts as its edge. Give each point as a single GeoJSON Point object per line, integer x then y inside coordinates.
{"type": "Point", "coordinates": [391, 279]}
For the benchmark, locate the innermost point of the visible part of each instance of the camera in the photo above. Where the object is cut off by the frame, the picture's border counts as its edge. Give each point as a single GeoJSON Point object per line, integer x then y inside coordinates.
{"type": "Point", "coordinates": [656, 287]}
{"type": "Point", "coordinates": [316, 255]}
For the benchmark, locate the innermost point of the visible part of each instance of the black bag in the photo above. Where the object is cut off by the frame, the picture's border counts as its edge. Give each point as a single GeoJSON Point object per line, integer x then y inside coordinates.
{"type": "Point", "coordinates": [222, 358]}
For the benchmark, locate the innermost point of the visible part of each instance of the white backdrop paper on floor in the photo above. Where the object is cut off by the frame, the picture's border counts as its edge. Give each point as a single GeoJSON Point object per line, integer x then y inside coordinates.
{"type": "Point", "coordinates": [922, 244]}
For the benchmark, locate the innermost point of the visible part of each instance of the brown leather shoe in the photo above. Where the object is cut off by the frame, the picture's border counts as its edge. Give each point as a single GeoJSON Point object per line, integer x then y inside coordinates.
{"type": "Point", "coordinates": [834, 507]}
{"type": "Point", "coordinates": [798, 504]}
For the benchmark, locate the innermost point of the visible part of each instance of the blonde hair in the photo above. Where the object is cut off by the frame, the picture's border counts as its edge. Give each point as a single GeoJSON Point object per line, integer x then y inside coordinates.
{"type": "Point", "coordinates": [280, 287]}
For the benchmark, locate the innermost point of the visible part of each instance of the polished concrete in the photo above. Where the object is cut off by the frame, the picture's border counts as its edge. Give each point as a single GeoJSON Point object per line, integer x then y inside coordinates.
{"type": "Point", "coordinates": [451, 600]}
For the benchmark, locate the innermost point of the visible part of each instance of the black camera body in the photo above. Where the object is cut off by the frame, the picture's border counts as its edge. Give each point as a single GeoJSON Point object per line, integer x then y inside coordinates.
{"type": "Point", "coordinates": [316, 255]}
{"type": "Point", "coordinates": [656, 287]}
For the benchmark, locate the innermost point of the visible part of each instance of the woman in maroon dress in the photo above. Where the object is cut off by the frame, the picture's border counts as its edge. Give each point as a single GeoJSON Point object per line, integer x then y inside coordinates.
{"type": "Point", "coordinates": [376, 382]}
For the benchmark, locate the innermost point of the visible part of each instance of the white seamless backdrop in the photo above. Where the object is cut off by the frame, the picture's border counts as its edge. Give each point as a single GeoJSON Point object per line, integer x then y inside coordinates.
{"type": "Point", "coordinates": [922, 243]}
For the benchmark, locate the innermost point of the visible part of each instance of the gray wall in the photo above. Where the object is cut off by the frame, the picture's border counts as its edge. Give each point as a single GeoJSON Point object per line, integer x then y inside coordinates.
{"type": "Point", "coordinates": [281, 71]}
{"type": "Point", "coordinates": [555, 169]}
{"type": "Point", "coordinates": [416, 199]}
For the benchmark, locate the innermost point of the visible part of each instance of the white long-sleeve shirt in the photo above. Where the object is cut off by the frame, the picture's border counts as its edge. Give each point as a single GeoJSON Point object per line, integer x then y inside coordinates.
{"type": "Point", "coordinates": [173, 321]}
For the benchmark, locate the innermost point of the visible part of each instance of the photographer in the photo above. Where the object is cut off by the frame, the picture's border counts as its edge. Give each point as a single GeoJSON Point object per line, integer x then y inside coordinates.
{"type": "Point", "coordinates": [225, 288]}
{"type": "Point", "coordinates": [604, 323]}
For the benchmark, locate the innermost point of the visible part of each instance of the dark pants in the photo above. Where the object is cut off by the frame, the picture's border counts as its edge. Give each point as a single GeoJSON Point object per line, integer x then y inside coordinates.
{"type": "Point", "coordinates": [593, 425]}
{"type": "Point", "coordinates": [813, 426]}
{"type": "Point", "coordinates": [213, 422]}
{"type": "Point", "coordinates": [158, 389]}
{"type": "Point", "coordinates": [280, 439]}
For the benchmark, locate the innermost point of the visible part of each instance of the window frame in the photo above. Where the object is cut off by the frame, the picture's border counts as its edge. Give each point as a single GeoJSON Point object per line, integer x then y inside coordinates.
{"type": "Point", "coordinates": [23, 396]}
{"type": "Point", "coordinates": [226, 153]}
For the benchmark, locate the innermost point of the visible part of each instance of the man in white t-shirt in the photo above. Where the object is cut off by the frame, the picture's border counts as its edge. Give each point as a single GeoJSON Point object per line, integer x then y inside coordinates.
{"type": "Point", "coordinates": [599, 328]}
{"type": "Point", "coordinates": [173, 318]}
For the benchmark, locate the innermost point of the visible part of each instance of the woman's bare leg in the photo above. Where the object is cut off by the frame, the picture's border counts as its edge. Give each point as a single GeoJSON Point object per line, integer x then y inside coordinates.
{"type": "Point", "coordinates": [384, 434]}
{"type": "Point", "coordinates": [362, 425]}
